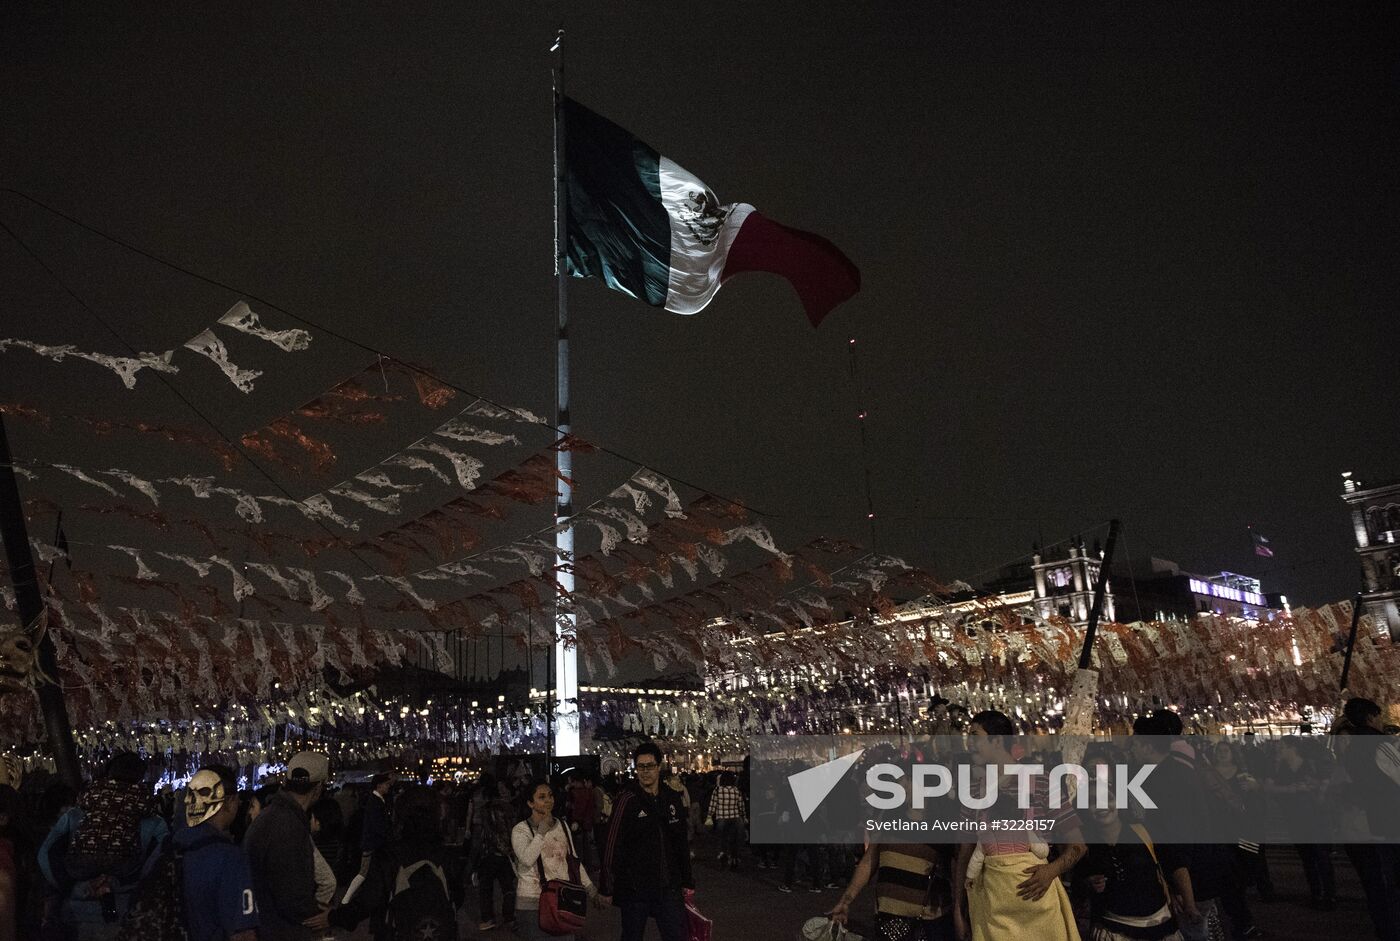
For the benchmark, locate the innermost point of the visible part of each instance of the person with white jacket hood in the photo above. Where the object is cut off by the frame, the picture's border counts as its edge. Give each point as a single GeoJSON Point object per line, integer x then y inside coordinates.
{"type": "Point", "coordinates": [544, 838]}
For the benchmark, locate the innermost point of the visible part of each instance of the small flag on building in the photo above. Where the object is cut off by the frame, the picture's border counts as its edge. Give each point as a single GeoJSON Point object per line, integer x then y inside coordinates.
{"type": "Point", "coordinates": [648, 228]}
{"type": "Point", "coordinates": [1261, 545]}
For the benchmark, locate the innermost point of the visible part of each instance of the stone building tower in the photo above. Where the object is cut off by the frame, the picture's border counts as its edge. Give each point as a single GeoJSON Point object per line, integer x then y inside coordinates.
{"type": "Point", "coordinates": [1375, 520]}
{"type": "Point", "coordinates": [1065, 586]}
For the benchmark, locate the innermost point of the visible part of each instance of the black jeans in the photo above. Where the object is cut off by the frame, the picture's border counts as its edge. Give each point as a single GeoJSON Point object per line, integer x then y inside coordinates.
{"type": "Point", "coordinates": [1317, 869]}
{"type": "Point", "coordinates": [490, 871]}
{"type": "Point", "coordinates": [1227, 893]}
{"type": "Point", "coordinates": [729, 830]}
{"type": "Point", "coordinates": [1254, 870]}
{"type": "Point", "coordinates": [815, 857]}
{"type": "Point", "coordinates": [1378, 865]}
{"type": "Point", "coordinates": [668, 910]}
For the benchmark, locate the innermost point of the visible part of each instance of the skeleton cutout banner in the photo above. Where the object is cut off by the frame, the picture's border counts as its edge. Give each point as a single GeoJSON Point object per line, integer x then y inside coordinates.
{"type": "Point", "coordinates": [224, 614]}
{"type": "Point", "coordinates": [206, 343]}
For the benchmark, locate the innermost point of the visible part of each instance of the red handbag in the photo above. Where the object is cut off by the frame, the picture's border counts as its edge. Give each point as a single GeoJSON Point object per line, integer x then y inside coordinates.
{"type": "Point", "coordinates": [563, 902]}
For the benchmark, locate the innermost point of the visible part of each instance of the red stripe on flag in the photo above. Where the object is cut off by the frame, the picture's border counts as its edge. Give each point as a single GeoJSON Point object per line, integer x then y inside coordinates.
{"type": "Point", "coordinates": [822, 276]}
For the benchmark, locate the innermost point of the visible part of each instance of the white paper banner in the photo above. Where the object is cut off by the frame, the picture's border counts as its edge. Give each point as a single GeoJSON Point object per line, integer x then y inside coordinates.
{"type": "Point", "coordinates": [240, 317]}
{"type": "Point", "coordinates": [126, 367]}
{"type": "Point", "coordinates": [467, 467]}
{"type": "Point", "coordinates": [206, 343]}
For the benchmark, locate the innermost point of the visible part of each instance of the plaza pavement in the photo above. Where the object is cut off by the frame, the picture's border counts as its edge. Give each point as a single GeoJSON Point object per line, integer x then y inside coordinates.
{"type": "Point", "coordinates": [747, 906]}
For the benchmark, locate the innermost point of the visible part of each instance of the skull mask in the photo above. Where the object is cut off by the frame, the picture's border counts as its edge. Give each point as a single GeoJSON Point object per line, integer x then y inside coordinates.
{"type": "Point", "coordinates": [204, 797]}
{"type": "Point", "coordinates": [19, 657]}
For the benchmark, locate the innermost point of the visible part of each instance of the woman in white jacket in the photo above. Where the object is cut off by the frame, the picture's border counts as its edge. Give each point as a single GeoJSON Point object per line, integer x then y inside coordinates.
{"type": "Point", "coordinates": [541, 837]}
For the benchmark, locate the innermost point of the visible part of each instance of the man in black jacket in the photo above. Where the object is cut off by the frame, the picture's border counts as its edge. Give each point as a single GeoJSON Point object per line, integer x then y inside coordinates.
{"type": "Point", "coordinates": [279, 851]}
{"type": "Point", "coordinates": [376, 828]}
{"type": "Point", "coordinates": [1187, 816]}
{"type": "Point", "coordinates": [1372, 762]}
{"type": "Point", "coordinates": [646, 863]}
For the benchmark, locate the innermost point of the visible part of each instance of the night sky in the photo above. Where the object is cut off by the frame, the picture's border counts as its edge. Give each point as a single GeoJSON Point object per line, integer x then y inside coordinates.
{"type": "Point", "coordinates": [1118, 259]}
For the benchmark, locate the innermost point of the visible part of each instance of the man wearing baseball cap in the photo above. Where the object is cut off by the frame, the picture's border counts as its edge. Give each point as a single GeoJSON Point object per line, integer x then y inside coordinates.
{"type": "Point", "coordinates": [218, 888]}
{"type": "Point", "coordinates": [280, 853]}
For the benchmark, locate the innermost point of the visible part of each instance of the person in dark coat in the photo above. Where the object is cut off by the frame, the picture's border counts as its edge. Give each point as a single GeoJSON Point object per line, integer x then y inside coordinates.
{"type": "Point", "coordinates": [376, 827]}
{"type": "Point", "coordinates": [646, 863]}
{"type": "Point", "coordinates": [415, 848]}
{"type": "Point", "coordinates": [279, 851]}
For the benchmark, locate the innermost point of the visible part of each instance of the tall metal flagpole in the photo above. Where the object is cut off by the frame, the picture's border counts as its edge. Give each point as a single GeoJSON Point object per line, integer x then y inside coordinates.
{"type": "Point", "coordinates": [566, 711]}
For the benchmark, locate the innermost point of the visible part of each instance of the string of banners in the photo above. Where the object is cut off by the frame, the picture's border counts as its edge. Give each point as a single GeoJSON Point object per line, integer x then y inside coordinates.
{"type": "Point", "coordinates": [371, 489]}
{"type": "Point", "coordinates": [133, 660]}
{"type": "Point", "coordinates": [1208, 660]}
{"type": "Point", "coordinates": [207, 343]}
{"type": "Point", "coordinates": [132, 663]}
{"type": "Point", "coordinates": [364, 726]}
{"type": "Point", "coordinates": [614, 517]}
{"type": "Point", "coordinates": [663, 582]}
{"type": "Point", "coordinates": [162, 652]}
{"type": "Point", "coordinates": [684, 543]}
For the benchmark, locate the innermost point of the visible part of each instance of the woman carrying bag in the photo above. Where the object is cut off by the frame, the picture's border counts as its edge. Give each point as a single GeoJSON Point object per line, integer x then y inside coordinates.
{"type": "Point", "coordinates": [549, 879]}
{"type": "Point", "coordinates": [1127, 878]}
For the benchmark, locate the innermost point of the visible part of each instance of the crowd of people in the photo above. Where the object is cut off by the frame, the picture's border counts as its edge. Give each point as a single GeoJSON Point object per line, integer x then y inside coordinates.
{"type": "Point", "coordinates": [1105, 877]}
{"type": "Point", "coordinates": [295, 860]}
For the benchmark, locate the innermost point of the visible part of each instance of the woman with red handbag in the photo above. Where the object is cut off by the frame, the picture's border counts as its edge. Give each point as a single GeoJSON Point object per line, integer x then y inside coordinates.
{"type": "Point", "coordinates": [552, 889]}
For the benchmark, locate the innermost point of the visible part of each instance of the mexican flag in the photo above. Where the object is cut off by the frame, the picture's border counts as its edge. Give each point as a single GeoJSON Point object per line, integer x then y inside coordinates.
{"type": "Point", "coordinates": [648, 228]}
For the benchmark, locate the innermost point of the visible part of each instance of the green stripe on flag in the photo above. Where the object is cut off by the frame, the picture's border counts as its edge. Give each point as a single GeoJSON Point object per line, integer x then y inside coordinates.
{"type": "Point", "coordinates": [618, 229]}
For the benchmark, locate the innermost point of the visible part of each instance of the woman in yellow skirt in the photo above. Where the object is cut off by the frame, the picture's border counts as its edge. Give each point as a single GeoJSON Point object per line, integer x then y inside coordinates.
{"type": "Point", "coordinates": [1017, 895]}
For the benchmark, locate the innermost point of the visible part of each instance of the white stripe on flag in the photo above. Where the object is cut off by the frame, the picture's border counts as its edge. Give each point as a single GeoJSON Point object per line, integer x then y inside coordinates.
{"type": "Point", "coordinates": [701, 233]}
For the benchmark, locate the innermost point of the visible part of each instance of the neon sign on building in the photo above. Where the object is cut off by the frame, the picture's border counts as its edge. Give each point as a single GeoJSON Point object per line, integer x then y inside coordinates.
{"type": "Point", "coordinates": [1225, 591]}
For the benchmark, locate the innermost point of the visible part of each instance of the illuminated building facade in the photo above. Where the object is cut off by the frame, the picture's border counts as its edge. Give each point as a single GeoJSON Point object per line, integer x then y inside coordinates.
{"type": "Point", "coordinates": [1062, 585]}
{"type": "Point", "coordinates": [1065, 586]}
{"type": "Point", "coordinates": [1168, 592]}
{"type": "Point", "coordinates": [1375, 521]}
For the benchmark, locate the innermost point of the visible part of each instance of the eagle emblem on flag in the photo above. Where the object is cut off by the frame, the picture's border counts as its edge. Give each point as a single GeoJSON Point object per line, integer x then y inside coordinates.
{"type": "Point", "coordinates": [702, 214]}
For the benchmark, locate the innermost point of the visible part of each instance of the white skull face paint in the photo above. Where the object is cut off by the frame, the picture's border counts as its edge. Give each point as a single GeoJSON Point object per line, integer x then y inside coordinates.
{"type": "Point", "coordinates": [204, 796]}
